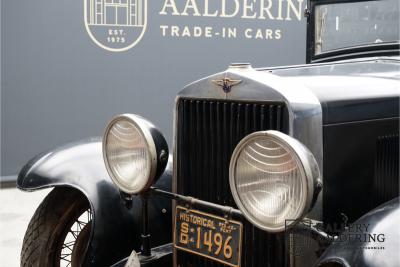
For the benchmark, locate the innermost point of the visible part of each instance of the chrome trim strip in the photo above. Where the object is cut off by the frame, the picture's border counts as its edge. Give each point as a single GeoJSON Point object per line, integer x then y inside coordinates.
{"type": "Point", "coordinates": [174, 174]}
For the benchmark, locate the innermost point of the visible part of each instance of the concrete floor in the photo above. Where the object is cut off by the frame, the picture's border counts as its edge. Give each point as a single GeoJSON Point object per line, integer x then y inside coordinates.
{"type": "Point", "coordinates": [16, 210]}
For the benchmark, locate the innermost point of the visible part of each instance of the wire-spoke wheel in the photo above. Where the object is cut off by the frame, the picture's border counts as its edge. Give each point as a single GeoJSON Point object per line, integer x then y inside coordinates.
{"type": "Point", "coordinates": [74, 246]}
{"type": "Point", "coordinates": [59, 231]}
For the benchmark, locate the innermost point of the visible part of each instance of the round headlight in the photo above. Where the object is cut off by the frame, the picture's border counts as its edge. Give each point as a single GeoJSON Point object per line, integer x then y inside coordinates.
{"type": "Point", "coordinates": [135, 153]}
{"type": "Point", "coordinates": [273, 178]}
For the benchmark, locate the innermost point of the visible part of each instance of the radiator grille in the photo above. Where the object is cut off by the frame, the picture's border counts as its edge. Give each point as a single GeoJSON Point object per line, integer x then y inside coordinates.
{"type": "Point", "coordinates": [386, 178]}
{"type": "Point", "coordinates": [207, 134]}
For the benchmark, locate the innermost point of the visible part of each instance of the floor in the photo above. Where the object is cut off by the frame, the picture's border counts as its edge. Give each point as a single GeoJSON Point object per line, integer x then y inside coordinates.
{"type": "Point", "coordinates": [16, 209]}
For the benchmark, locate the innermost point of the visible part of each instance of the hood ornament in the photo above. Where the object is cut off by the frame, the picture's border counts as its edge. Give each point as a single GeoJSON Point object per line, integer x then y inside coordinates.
{"type": "Point", "coordinates": [226, 84]}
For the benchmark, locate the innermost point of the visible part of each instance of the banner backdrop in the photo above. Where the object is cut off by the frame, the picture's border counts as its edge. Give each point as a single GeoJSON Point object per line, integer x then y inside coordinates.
{"type": "Point", "coordinates": [69, 66]}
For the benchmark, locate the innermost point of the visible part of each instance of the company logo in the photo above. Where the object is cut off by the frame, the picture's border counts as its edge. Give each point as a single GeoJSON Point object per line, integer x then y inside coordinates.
{"type": "Point", "coordinates": [267, 17]}
{"type": "Point", "coordinates": [116, 25]}
{"type": "Point", "coordinates": [305, 236]}
{"type": "Point", "coordinates": [226, 84]}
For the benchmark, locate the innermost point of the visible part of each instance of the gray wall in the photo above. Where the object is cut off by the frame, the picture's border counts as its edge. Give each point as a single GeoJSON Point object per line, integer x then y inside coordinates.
{"type": "Point", "coordinates": [58, 86]}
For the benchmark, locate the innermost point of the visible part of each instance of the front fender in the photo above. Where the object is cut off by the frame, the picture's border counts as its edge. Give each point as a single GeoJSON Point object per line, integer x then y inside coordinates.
{"type": "Point", "coordinates": [377, 243]}
{"type": "Point", "coordinates": [115, 227]}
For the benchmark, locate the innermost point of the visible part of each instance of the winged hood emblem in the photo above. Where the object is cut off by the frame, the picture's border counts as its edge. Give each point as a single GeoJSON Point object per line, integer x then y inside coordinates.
{"type": "Point", "coordinates": [226, 84]}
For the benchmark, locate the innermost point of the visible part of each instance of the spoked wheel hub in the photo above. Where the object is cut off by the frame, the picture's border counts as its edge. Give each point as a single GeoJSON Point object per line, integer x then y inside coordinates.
{"type": "Point", "coordinates": [74, 245]}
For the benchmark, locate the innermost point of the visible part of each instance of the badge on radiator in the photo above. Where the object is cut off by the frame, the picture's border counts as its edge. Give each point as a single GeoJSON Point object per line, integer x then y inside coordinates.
{"type": "Point", "coordinates": [115, 25]}
{"type": "Point", "coordinates": [226, 84]}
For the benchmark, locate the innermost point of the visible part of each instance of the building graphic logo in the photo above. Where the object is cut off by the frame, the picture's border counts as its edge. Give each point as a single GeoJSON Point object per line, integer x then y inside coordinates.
{"type": "Point", "coordinates": [116, 25]}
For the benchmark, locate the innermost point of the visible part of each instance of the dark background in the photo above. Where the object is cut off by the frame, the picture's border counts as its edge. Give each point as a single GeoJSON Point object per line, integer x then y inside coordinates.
{"type": "Point", "coordinates": [58, 86]}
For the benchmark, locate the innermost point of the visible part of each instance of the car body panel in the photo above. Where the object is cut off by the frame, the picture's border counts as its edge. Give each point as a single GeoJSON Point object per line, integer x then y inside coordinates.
{"type": "Point", "coordinates": [352, 90]}
{"type": "Point", "coordinates": [384, 221]}
{"type": "Point", "coordinates": [116, 226]}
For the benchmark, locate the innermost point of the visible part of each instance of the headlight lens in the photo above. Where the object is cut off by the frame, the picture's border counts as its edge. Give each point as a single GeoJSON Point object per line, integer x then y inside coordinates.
{"type": "Point", "coordinates": [131, 154]}
{"type": "Point", "coordinates": [272, 178]}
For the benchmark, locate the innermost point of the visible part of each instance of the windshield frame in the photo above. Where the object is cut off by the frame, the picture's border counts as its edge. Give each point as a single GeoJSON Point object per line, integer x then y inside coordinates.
{"type": "Point", "coordinates": [368, 50]}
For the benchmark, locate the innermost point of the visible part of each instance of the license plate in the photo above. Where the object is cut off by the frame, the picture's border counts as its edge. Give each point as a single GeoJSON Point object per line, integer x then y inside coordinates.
{"type": "Point", "coordinates": [208, 235]}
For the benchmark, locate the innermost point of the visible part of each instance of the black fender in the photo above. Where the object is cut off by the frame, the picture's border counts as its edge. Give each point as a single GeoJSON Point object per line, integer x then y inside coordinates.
{"type": "Point", "coordinates": [116, 227]}
{"type": "Point", "coordinates": [383, 251]}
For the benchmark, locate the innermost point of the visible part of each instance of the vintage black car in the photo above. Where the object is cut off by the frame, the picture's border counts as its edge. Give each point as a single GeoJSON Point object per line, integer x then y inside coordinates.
{"type": "Point", "coordinates": [284, 166]}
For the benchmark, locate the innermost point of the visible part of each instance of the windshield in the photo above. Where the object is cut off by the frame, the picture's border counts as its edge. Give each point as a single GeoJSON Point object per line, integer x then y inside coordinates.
{"type": "Point", "coordinates": [344, 25]}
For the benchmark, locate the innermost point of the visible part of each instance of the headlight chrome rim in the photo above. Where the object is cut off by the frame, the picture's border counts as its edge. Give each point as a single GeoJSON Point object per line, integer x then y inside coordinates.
{"type": "Point", "coordinates": [308, 166]}
{"type": "Point", "coordinates": [143, 127]}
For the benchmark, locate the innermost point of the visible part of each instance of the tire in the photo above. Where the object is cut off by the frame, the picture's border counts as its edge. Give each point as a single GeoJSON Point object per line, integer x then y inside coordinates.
{"type": "Point", "coordinates": [47, 240]}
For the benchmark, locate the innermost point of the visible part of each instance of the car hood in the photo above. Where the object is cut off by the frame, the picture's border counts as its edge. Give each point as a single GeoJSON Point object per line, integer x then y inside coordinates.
{"type": "Point", "coordinates": [353, 90]}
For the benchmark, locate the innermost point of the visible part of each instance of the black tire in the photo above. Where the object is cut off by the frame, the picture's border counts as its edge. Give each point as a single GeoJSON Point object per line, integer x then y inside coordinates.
{"type": "Point", "coordinates": [47, 231]}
